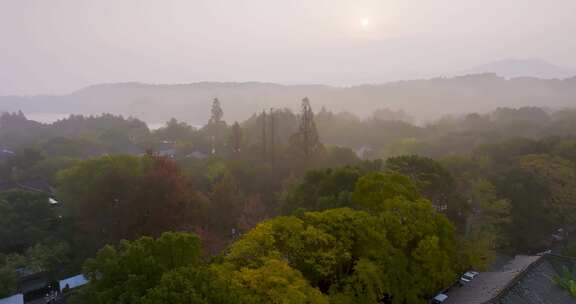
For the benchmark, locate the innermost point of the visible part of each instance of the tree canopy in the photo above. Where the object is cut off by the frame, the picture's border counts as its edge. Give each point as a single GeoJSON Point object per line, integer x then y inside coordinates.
{"type": "Point", "coordinates": [359, 256]}
{"type": "Point", "coordinates": [125, 273]}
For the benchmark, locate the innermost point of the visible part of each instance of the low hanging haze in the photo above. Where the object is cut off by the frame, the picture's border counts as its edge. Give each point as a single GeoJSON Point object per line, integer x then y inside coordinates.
{"type": "Point", "coordinates": [58, 46]}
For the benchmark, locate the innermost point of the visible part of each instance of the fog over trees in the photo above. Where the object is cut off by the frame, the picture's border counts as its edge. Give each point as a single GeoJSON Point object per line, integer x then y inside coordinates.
{"type": "Point", "coordinates": [287, 152]}
{"type": "Point", "coordinates": [338, 208]}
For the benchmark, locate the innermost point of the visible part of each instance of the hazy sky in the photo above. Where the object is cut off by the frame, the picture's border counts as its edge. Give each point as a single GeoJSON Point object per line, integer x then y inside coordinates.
{"type": "Point", "coordinates": [57, 46]}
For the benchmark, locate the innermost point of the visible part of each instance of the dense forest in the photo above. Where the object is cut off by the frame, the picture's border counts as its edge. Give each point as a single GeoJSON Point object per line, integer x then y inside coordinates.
{"type": "Point", "coordinates": [284, 207]}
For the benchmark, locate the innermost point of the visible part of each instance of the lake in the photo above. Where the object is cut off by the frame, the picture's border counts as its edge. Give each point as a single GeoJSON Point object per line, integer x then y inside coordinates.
{"type": "Point", "coordinates": [49, 118]}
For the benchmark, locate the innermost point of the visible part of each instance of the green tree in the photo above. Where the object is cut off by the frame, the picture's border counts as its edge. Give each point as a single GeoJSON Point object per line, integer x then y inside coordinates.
{"type": "Point", "coordinates": [559, 175]}
{"type": "Point", "coordinates": [27, 219]}
{"type": "Point", "coordinates": [305, 144]}
{"type": "Point", "coordinates": [216, 129]}
{"type": "Point", "coordinates": [40, 257]}
{"type": "Point", "coordinates": [431, 178]}
{"type": "Point", "coordinates": [8, 275]}
{"type": "Point", "coordinates": [25, 157]}
{"type": "Point", "coordinates": [226, 202]}
{"type": "Point", "coordinates": [275, 282]}
{"type": "Point", "coordinates": [193, 285]}
{"type": "Point", "coordinates": [532, 221]}
{"type": "Point", "coordinates": [49, 257]}
{"type": "Point", "coordinates": [340, 156]}
{"type": "Point", "coordinates": [566, 149]}
{"type": "Point", "coordinates": [235, 141]}
{"type": "Point", "coordinates": [175, 131]}
{"type": "Point", "coordinates": [320, 190]}
{"type": "Point", "coordinates": [493, 216]}
{"type": "Point", "coordinates": [375, 189]}
{"type": "Point", "coordinates": [567, 281]}
{"type": "Point", "coordinates": [403, 248]}
{"type": "Point", "coordinates": [126, 273]}
{"type": "Point", "coordinates": [216, 112]}
{"type": "Point", "coordinates": [80, 147]}
{"type": "Point", "coordinates": [49, 167]}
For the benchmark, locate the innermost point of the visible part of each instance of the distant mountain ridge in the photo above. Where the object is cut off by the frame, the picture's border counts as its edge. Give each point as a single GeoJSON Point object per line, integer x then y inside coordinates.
{"type": "Point", "coordinates": [514, 68]}
{"type": "Point", "coordinates": [425, 99]}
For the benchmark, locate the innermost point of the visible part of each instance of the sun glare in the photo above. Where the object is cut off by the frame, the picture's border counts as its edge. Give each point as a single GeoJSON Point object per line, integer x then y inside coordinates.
{"type": "Point", "coordinates": [365, 23]}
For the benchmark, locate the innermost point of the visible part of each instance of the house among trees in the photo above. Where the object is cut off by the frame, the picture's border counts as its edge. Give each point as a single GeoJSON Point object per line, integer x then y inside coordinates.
{"type": "Point", "coordinates": [5, 154]}
{"type": "Point", "coordinates": [42, 287]}
{"type": "Point", "coordinates": [171, 153]}
{"type": "Point", "coordinates": [72, 283]}
{"type": "Point", "coordinates": [36, 288]}
{"type": "Point", "coordinates": [197, 155]}
{"type": "Point", "coordinates": [33, 185]}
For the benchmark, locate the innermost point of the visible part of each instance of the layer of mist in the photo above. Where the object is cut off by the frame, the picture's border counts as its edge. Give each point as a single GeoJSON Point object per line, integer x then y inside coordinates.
{"type": "Point", "coordinates": [425, 99]}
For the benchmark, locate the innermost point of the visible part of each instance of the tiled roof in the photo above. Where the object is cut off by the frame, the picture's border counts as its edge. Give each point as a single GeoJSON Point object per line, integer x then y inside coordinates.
{"type": "Point", "coordinates": [536, 285]}
{"type": "Point", "coordinates": [488, 285]}
{"type": "Point", "coordinates": [524, 280]}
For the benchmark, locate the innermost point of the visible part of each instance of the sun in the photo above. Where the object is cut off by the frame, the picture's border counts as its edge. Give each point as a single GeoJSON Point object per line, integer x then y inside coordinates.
{"type": "Point", "coordinates": [365, 23]}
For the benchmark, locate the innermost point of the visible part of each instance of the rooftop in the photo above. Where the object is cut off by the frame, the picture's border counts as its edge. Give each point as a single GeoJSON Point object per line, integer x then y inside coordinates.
{"type": "Point", "coordinates": [524, 280]}
{"type": "Point", "coordinates": [15, 299]}
{"type": "Point", "coordinates": [73, 282]}
{"type": "Point", "coordinates": [536, 285]}
{"type": "Point", "coordinates": [35, 185]}
{"type": "Point", "coordinates": [488, 285]}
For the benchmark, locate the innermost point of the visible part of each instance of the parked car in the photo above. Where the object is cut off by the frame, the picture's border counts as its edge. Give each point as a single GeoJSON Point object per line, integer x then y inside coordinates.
{"type": "Point", "coordinates": [439, 298]}
{"type": "Point", "coordinates": [467, 277]}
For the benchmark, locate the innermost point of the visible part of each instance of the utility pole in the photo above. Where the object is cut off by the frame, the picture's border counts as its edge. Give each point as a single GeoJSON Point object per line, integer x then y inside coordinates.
{"type": "Point", "coordinates": [306, 127]}
{"type": "Point", "coordinates": [264, 137]}
{"type": "Point", "coordinates": [272, 135]}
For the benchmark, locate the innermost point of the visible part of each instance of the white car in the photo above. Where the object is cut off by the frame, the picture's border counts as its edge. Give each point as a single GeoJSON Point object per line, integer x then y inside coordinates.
{"type": "Point", "coordinates": [439, 298]}
{"type": "Point", "coordinates": [468, 276]}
